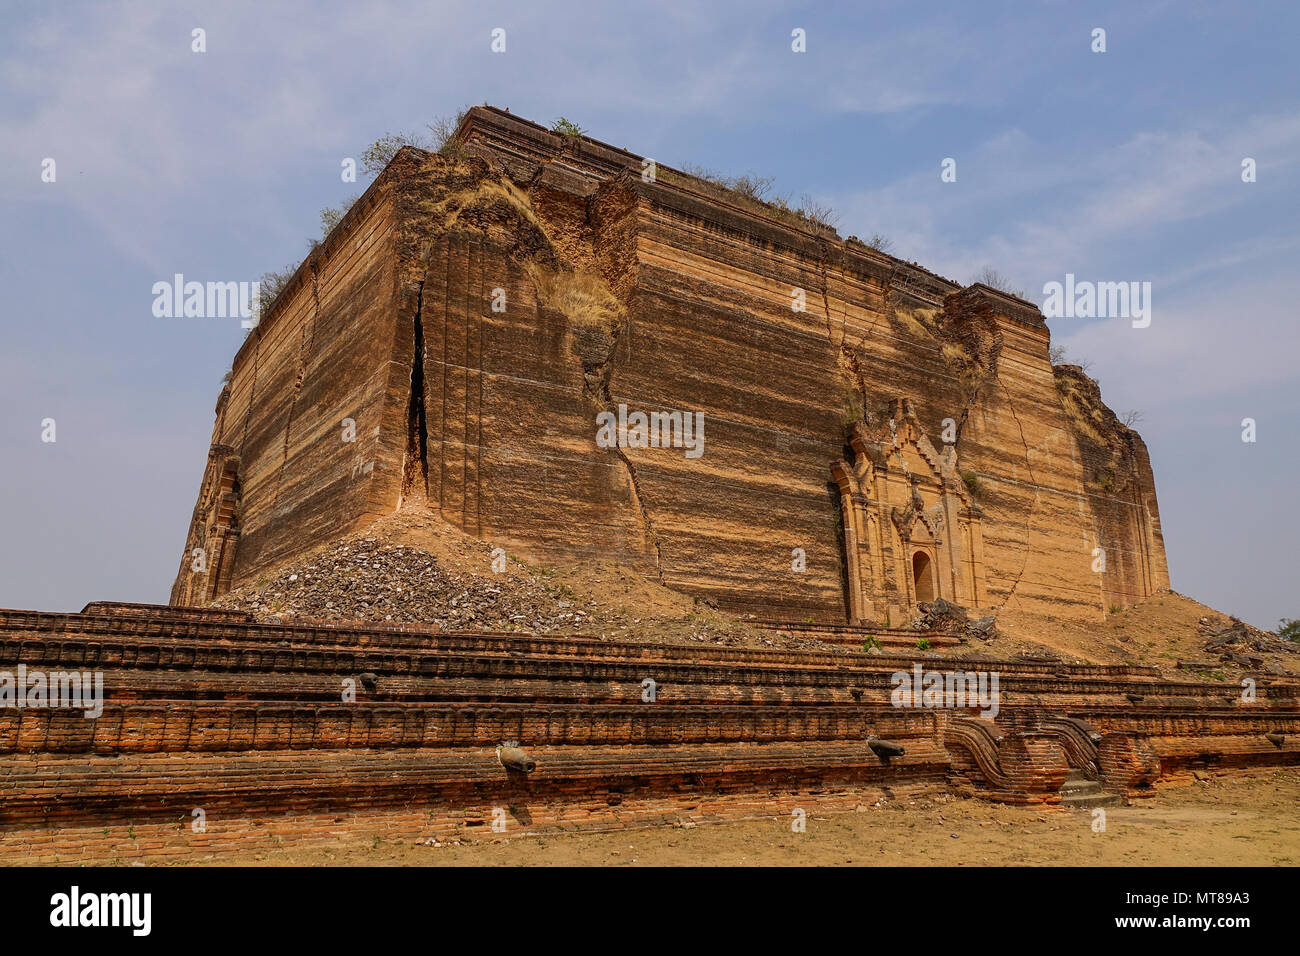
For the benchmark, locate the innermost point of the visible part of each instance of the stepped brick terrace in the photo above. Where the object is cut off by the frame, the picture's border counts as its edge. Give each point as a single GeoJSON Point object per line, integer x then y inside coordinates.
{"type": "Point", "coordinates": [212, 711]}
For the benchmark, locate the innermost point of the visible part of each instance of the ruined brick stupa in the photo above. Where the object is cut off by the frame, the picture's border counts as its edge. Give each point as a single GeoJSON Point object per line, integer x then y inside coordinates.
{"type": "Point", "coordinates": [474, 314]}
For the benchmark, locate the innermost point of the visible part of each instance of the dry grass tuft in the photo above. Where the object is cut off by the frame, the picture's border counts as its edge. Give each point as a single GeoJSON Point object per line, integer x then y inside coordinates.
{"type": "Point", "coordinates": [955, 355]}
{"type": "Point", "coordinates": [583, 297]}
{"type": "Point", "coordinates": [1085, 420]}
{"type": "Point", "coordinates": [487, 193]}
{"type": "Point", "coordinates": [919, 322]}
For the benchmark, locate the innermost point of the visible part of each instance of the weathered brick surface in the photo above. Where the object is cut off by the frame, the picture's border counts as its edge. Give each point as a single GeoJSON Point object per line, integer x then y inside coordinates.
{"type": "Point", "coordinates": [1128, 762]}
{"type": "Point", "coordinates": [496, 428]}
{"type": "Point", "coordinates": [1034, 763]}
{"type": "Point", "coordinates": [247, 722]}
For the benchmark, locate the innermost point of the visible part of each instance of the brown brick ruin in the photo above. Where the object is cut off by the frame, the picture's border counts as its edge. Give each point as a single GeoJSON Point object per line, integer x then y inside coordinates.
{"type": "Point", "coordinates": [473, 312]}
{"type": "Point", "coordinates": [450, 349]}
{"type": "Point", "coordinates": [208, 709]}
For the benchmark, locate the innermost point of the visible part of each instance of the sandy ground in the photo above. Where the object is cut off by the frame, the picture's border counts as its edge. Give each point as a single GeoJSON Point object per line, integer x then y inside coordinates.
{"type": "Point", "coordinates": [1161, 630]}
{"type": "Point", "coordinates": [1246, 819]}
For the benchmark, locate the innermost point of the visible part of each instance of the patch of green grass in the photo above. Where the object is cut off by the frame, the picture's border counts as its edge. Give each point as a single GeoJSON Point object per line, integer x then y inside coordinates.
{"type": "Point", "coordinates": [566, 127]}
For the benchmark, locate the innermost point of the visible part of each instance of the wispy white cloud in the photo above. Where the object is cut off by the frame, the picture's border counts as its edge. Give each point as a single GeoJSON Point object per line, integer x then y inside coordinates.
{"type": "Point", "coordinates": [1067, 216]}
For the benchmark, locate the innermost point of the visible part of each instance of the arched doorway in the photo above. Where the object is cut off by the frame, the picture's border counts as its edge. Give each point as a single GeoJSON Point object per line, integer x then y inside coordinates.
{"type": "Point", "coordinates": [922, 578]}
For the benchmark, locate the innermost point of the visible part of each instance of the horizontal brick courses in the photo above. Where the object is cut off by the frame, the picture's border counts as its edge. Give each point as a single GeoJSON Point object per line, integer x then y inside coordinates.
{"type": "Point", "coordinates": [248, 722]}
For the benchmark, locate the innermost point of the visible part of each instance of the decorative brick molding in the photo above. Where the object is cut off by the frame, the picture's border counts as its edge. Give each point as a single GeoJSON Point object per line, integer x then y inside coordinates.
{"type": "Point", "coordinates": [207, 709]}
{"type": "Point", "coordinates": [1007, 766]}
{"type": "Point", "coordinates": [1128, 762]}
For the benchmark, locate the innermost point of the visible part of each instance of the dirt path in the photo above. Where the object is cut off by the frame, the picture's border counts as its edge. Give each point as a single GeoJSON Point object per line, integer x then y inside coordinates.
{"type": "Point", "coordinates": [1241, 820]}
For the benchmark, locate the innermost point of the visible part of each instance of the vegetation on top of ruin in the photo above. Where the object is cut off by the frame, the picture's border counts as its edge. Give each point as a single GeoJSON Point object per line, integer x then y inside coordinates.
{"type": "Point", "coordinates": [441, 138]}
{"type": "Point", "coordinates": [443, 133]}
{"type": "Point", "coordinates": [878, 241]}
{"type": "Point", "coordinates": [271, 284]}
{"type": "Point", "coordinates": [374, 158]}
{"type": "Point", "coordinates": [1060, 355]}
{"type": "Point", "coordinates": [996, 280]}
{"type": "Point", "coordinates": [331, 216]}
{"type": "Point", "coordinates": [749, 185]}
{"type": "Point", "coordinates": [380, 153]}
{"type": "Point", "coordinates": [566, 127]}
{"type": "Point", "coordinates": [749, 189]}
{"type": "Point", "coordinates": [1087, 411]}
{"type": "Point", "coordinates": [752, 191]}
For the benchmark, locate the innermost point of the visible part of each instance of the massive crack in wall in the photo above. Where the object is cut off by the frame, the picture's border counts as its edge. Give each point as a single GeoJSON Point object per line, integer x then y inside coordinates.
{"type": "Point", "coordinates": [415, 477]}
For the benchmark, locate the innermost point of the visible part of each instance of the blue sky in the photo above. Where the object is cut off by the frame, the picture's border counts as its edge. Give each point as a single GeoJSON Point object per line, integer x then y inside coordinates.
{"type": "Point", "coordinates": [1115, 166]}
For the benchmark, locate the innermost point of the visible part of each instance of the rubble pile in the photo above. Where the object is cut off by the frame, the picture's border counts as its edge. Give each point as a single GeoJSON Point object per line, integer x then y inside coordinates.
{"type": "Point", "coordinates": [371, 579]}
{"type": "Point", "coordinates": [1234, 642]}
{"type": "Point", "coordinates": [941, 615]}
{"type": "Point", "coordinates": [363, 579]}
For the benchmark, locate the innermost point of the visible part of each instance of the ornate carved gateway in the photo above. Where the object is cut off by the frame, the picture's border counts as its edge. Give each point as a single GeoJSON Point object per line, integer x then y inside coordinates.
{"type": "Point", "coordinates": [911, 529]}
